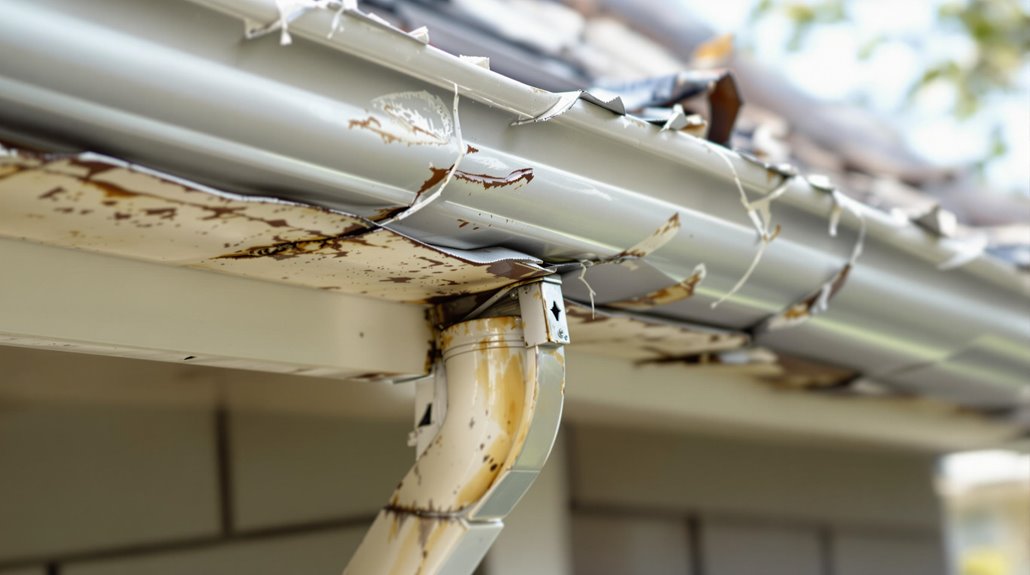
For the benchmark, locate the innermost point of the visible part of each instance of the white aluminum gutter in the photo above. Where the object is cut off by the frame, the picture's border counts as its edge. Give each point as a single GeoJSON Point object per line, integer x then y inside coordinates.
{"type": "Point", "coordinates": [173, 85]}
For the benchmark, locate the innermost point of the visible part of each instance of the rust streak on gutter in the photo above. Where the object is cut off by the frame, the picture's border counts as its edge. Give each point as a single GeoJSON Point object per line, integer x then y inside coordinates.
{"type": "Point", "coordinates": [516, 178]}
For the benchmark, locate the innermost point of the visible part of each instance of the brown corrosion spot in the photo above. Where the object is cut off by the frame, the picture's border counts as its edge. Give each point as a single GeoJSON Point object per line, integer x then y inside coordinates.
{"type": "Point", "coordinates": [112, 191]}
{"type": "Point", "coordinates": [92, 168]}
{"type": "Point", "coordinates": [470, 149]}
{"type": "Point", "coordinates": [671, 294]}
{"type": "Point", "coordinates": [704, 358]}
{"type": "Point", "coordinates": [51, 194]}
{"type": "Point", "coordinates": [163, 213]}
{"type": "Point", "coordinates": [291, 249]}
{"type": "Point", "coordinates": [436, 175]}
{"type": "Point", "coordinates": [397, 280]}
{"type": "Point", "coordinates": [218, 212]}
{"type": "Point", "coordinates": [432, 263]}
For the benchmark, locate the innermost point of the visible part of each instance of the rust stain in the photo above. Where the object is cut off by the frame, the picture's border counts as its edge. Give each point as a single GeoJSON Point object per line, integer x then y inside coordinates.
{"type": "Point", "coordinates": [92, 167]}
{"type": "Point", "coordinates": [523, 175]}
{"type": "Point", "coordinates": [163, 213]}
{"type": "Point", "coordinates": [518, 178]}
{"type": "Point", "coordinates": [386, 213]}
{"type": "Point", "coordinates": [703, 358]}
{"type": "Point", "coordinates": [500, 376]}
{"type": "Point", "coordinates": [291, 249]}
{"type": "Point", "coordinates": [470, 149]}
{"type": "Point", "coordinates": [373, 125]}
{"type": "Point", "coordinates": [432, 263]}
{"type": "Point", "coordinates": [436, 176]}
{"type": "Point", "coordinates": [113, 191]}
{"type": "Point", "coordinates": [52, 194]}
{"type": "Point", "coordinates": [671, 294]}
{"type": "Point", "coordinates": [217, 228]}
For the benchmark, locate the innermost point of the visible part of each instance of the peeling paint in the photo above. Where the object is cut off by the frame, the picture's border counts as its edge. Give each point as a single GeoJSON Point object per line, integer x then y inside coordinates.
{"type": "Point", "coordinates": [411, 118]}
{"type": "Point", "coordinates": [479, 61]}
{"type": "Point", "coordinates": [652, 243]}
{"type": "Point", "coordinates": [515, 179]}
{"type": "Point", "coordinates": [818, 301]}
{"type": "Point", "coordinates": [761, 217]}
{"type": "Point", "coordinates": [615, 334]}
{"type": "Point", "coordinates": [100, 204]}
{"type": "Point", "coordinates": [566, 100]}
{"type": "Point", "coordinates": [670, 294]}
{"type": "Point", "coordinates": [656, 240]}
{"type": "Point", "coordinates": [424, 197]}
{"type": "Point", "coordinates": [290, 10]}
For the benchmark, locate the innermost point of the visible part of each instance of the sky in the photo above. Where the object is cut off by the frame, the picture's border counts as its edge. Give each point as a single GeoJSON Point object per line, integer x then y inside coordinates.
{"type": "Point", "coordinates": [828, 66]}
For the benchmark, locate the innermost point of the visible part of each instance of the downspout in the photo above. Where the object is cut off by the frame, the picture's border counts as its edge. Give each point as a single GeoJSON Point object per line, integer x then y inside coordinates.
{"type": "Point", "coordinates": [486, 424]}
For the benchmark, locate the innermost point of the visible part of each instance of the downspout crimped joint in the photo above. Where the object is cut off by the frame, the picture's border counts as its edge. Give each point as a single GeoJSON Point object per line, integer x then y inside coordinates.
{"type": "Point", "coordinates": [485, 425]}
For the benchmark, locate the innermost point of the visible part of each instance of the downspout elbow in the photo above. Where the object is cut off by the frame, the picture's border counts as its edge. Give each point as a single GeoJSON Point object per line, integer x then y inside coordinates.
{"type": "Point", "coordinates": [504, 389]}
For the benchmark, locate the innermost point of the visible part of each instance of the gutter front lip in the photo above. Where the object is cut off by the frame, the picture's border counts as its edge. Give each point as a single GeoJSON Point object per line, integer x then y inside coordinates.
{"type": "Point", "coordinates": [980, 295]}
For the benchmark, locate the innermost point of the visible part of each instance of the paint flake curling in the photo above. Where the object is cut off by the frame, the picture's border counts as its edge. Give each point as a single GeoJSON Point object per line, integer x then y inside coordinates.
{"type": "Point", "coordinates": [290, 10]}
{"type": "Point", "coordinates": [761, 217]}
{"type": "Point", "coordinates": [568, 99]}
{"type": "Point", "coordinates": [967, 251]}
{"type": "Point", "coordinates": [590, 290]}
{"type": "Point", "coordinates": [416, 117]}
{"type": "Point", "coordinates": [670, 294]}
{"type": "Point", "coordinates": [627, 257]}
{"type": "Point", "coordinates": [819, 300]}
{"type": "Point", "coordinates": [652, 243]}
{"type": "Point", "coordinates": [423, 199]}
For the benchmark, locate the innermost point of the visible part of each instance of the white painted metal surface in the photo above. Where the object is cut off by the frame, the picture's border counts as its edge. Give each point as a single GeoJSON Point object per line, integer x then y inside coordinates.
{"type": "Point", "coordinates": [218, 108]}
{"type": "Point", "coordinates": [503, 395]}
{"type": "Point", "coordinates": [61, 299]}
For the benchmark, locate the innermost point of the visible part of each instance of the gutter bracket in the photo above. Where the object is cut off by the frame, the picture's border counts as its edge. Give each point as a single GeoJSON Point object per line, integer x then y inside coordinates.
{"type": "Point", "coordinates": [485, 425]}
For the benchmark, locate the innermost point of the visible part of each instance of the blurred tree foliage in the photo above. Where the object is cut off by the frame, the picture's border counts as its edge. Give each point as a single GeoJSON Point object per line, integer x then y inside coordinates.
{"type": "Point", "coordinates": [1000, 30]}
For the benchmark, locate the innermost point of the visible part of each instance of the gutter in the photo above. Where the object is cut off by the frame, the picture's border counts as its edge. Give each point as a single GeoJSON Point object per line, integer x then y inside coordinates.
{"type": "Point", "coordinates": [174, 86]}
